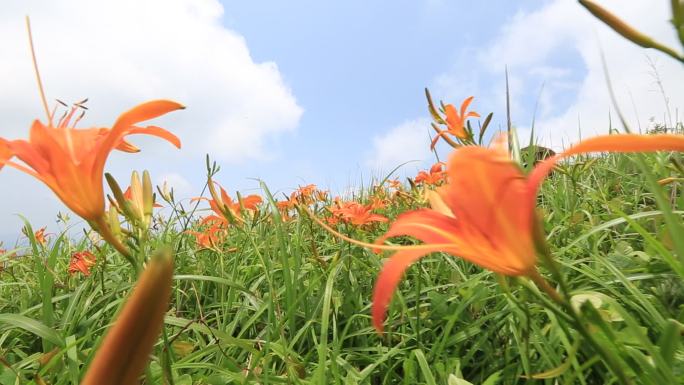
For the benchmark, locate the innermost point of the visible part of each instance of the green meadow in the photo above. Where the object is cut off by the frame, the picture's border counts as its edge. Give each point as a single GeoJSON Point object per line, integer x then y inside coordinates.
{"type": "Point", "coordinates": [505, 263]}
{"type": "Point", "coordinates": [287, 302]}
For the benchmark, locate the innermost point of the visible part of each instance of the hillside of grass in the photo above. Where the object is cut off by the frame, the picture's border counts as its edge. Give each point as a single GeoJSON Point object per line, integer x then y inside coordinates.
{"type": "Point", "coordinates": [277, 299]}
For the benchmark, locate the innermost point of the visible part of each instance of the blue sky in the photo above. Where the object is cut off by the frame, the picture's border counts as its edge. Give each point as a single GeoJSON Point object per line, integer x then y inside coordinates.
{"type": "Point", "coordinates": [358, 68]}
{"type": "Point", "coordinates": [329, 93]}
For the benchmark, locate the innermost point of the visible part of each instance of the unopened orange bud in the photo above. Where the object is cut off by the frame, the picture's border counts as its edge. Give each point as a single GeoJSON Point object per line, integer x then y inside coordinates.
{"type": "Point", "coordinates": [125, 350]}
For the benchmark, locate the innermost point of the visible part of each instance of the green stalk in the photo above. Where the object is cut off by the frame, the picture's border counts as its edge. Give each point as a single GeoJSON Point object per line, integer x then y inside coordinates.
{"type": "Point", "coordinates": [610, 360]}
{"type": "Point", "coordinates": [101, 226]}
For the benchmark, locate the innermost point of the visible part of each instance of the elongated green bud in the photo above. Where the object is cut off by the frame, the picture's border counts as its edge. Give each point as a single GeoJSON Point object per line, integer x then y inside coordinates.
{"type": "Point", "coordinates": [148, 198]}
{"type": "Point", "coordinates": [121, 200]}
{"type": "Point", "coordinates": [626, 30]}
{"type": "Point", "coordinates": [678, 18]}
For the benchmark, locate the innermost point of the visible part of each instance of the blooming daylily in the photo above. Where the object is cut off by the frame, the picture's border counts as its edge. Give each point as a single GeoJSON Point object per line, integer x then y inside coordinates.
{"type": "Point", "coordinates": [434, 177]}
{"type": "Point", "coordinates": [456, 121]}
{"type": "Point", "coordinates": [209, 238]}
{"type": "Point", "coordinates": [304, 193]}
{"type": "Point", "coordinates": [395, 184]}
{"type": "Point", "coordinates": [225, 209]}
{"type": "Point", "coordinates": [40, 236]}
{"type": "Point", "coordinates": [71, 161]}
{"type": "Point", "coordinates": [81, 261]}
{"type": "Point", "coordinates": [357, 214]}
{"type": "Point", "coordinates": [486, 212]}
{"type": "Point", "coordinates": [285, 207]}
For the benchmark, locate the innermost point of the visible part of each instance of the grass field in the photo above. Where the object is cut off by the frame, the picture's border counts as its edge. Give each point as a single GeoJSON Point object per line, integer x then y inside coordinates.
{"type": "Point", "coordinates": [494, 267]}
{"type": "Point", "coordinates": [283, 301]}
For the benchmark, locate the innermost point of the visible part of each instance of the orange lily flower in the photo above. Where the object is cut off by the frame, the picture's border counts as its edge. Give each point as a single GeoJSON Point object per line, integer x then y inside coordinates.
{"type": "Point", "coordinates": [436, 175]}
{"type": "Point", "coordinates": [395, 184]}
{"type": "Point", "coordinates": [81, 262]}
{"type": "Point", "coordinates": [285, 206]}
{"type": "Point", "coordinates": [40, 236]}
{"type": "Point", "coordinates": [357, 214]}
{"type": "Point", "coordinates": [456, 121]}
{"type": "Point", "coordinates": [308, 194]}
{"type": "Point", "coordinates": [378, 203]}
{"type": "Point", "coordinates": [71, 161]}
{"type": "Point", "coordinates": [486, 212]}
{"type": "Point", "coordinates": [209, 238]}
{"type": "Point", "coordinates": [224, 207]}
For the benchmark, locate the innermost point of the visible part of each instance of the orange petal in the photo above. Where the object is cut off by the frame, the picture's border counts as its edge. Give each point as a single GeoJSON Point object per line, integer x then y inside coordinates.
{"type": "Point", "coordinates": [426, 225]}
{"type": "Point", "coordinates": [464, 106]}
{"type": "Point", "coordinates": [451, 113]}
{"type": "Point", "coordinates": [488, 191]}
{"type": "Point", "coordinates": [607, 143]}
{"type": "Point", "coordinates": [158, 132]}
{"type": "Point", "coordinates": [628, 143]}
{"type": "Point", "coordinates": [126, 146]}
{"type": "Point", "coordinates": [5, 152]}
{"type": "Point", "coordinates": [251, 202]}
{"type": "Point", "coordinates": [437, 203]}
{"type": "Point", "coordinates": [71, 183]}
{"type": "Point", "coordinates": [388, 280]}
{"type": "Point", "coordinates": [28, 154]}
{"type": "Point", "coordinates": [146, 111]}
{"type": "Point", "coordinates": [124, 125]}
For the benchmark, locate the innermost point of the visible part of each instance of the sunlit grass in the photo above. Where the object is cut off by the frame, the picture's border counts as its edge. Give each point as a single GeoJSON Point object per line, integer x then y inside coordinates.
{"type": "Point", "coordinates": [589, 256]}
{"type": "Point", "coordinates": [285, 302]}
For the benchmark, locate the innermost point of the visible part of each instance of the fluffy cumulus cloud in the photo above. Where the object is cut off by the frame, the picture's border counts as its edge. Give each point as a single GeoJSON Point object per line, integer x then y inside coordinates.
{"type": "Point", "coordinates": [558, 47]}
{"type": "Point", "coordinates": [553, 56]}
{"type": "Point", "coordinates": [182, 188]}
{"type": "Point", "coordinates": [120, 53]}
{"type": "Point", "coordinates": [125, 52]}
{"type": "Point", "coordinates": [408, 141]}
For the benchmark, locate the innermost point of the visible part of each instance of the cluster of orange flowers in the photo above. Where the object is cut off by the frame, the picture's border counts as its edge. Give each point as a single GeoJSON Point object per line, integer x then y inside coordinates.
{"type": "Point", "coordinates": [482, 210]}
{"type": "Point", "coordinates": [304, 195]}
{"type": "Point", "coordinates": [225, 211]}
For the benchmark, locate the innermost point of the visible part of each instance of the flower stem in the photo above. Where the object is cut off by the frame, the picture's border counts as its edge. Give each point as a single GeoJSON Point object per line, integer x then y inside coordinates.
{"type": "Point", "coordinates": [101, 226]}
{"type": "Point", "coordinates": [546, 287]}
{"type": "Point", "coordinates": [610, 360]}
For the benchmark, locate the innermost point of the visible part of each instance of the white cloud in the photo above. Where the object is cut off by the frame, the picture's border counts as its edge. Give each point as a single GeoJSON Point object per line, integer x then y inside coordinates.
{"type": "Point", "coordinates": [182, 188]}
{"type": "Point", "coordinates": [557, 47]}
{"type": "Point", "coordinates": [126, 52]}
{"type": "Point", "coordinates": [405, 142]}
{"type": "Point", "coordinates": [531, 41]}
{"type": "Point", "coordinates": [21, 195]}
{"type": "Point", "coordinates": [121, 53]}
